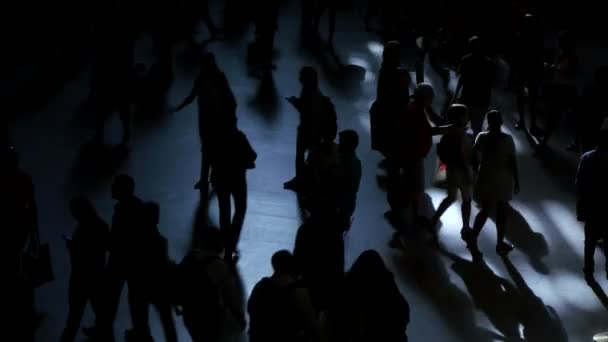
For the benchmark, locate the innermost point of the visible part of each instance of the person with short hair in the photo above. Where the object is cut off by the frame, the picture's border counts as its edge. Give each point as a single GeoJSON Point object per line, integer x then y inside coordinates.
{"type": "Point", "coordinates": [497, 179]}
{"type": "Point", "coordinates": [317, 115]}
{"type": "Point", "coordinates": [455, 150]}
{"type": "Point", "coordinates": [280, 308]}
{"type": "Point", "coordinates": [592, 187]}
{"type": "Point", "coordinates": [87, 247]}
{"type": "Point", "coordinates": [476, 73]}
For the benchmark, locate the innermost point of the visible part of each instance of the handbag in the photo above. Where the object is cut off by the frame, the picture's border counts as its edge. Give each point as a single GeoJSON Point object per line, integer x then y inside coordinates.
{"type": "Point", "coordinates": [36, 263]}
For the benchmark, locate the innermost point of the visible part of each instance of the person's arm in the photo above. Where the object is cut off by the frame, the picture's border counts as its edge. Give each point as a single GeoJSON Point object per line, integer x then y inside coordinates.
{"type": "Point", "coordinates": [190, 98]}
{"type": "Point", "coordinates": [441, 130]}
{"type": "Point", "coordinates": [475, 152]}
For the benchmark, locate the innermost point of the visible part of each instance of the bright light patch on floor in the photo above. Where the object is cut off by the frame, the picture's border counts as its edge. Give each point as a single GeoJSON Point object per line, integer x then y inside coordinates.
{"type": "Point", "coordinates": [565, 223]}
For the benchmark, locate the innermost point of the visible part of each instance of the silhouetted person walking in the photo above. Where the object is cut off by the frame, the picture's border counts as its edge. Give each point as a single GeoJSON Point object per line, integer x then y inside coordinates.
{"type": "Point", "coordinates": [412, 143]}
{"type": "Point", "coordinates": [392, 99]}
{"type": "Point", "coordinates": [229, 164]}
{"type": "Point", "coordinates": [126, 229]}
{"type": "Point", "coordinates": [20, 223]}
{"type": "Point", "coordinates": [207, 290]}
{"type": "Point", "coordinates": [316, 111]}
{"type": "Point", "coordinates": [497, 179]}
{"type": "Point", "coordinates": [280, 308]}
{"type": "Point", "coordinates": [592, 187]}
{"type": "Point", "coordinates": [266, 16]}
{"type": "Point", "coordinates": [476, 74]}
{"type": "Point", "coordinates": [350, 175]}
{"type": "Point", "coordinates": [323, 173]}
{"type": "Point", "coordinates": [454, 150]}
{"type": "Point", "coordinates": [527, 70]}
{"type": "Point", "coordinates": [149, 278]}
{"type": "Point", "coordinates": [375, 309]}
{"type": "Point", "coordinates": [216, 107]}
{"type": "Point", "coordinates": [562, 93]}
{"type": "Point", "coordinates": [87, 248]}
{"type": "Point", "coordinates": [593, 109]}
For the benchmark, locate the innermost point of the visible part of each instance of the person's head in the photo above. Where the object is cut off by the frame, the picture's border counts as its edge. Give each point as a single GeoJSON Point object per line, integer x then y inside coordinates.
{"type": "Point", "coordinates": [123, 187]}
{"type": "Point", "coordinates": [11, 159]}
{"type": "Point", "coordinates": [476, 45]}
{"type": "Point", "coordinates": [390, 54]}
{"type": "Point", "coordinates": [369, 267]}
{"type": "Point", "coordinates": [208, 63]}
{"type": "Point", "coordinates": [82, 209]}
{"type": "Point", "coordinates": [349, 140]}
{"type": "Point", "coordinates": [151, 213]}
{"type": "Point", "coordinates": [283, 262]}
{"type": "Point", "coordinates": [458, 115]}
{"type": "Point", "coordinates": [424, 94]}
{"type": "Point", "coordinates": [211, 240]}
{"type": "Point", "coordinates": [494, 118]}
{"type": "Point", "coordinates": [603, 143]}
{"type": "Point", "coordinates": [309, 77]}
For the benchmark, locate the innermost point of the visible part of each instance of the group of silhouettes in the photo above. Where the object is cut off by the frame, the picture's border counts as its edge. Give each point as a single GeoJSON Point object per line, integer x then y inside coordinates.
{"type": "Point", "coordinates": [308, 290]}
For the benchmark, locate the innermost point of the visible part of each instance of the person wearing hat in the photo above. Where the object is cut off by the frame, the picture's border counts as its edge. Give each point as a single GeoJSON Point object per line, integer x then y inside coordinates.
{"type": "Point", "coordinates": [592, 186]}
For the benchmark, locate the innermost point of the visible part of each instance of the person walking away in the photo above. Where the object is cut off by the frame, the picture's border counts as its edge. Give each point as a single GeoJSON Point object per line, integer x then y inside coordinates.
{"type": "Point", "coordinates": [350, 176]}
{"type": "Point", "coordinates": [316, 111]}
{"type": "Point", "coordinates": [476, 74]}
{"type": "Point", "coordinates": [592, 186]}
{"type": "Point", "coordinates": [87, 247]}
{"type": "Point", "coordinates": [454, 150]}
{"type": "Point", "coordinates": [229, 167]}
{"type": "Point", "coordinates": [216, 106]}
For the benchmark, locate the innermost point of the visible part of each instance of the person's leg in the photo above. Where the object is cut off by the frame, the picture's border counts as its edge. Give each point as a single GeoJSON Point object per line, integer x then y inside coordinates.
{"type": "Point", "coordinates": [477, 118]}
{"type": "Point", "coordinates": [77, 300]}
{"type": "Point", "coordinates": [533, 89]}
{"type": "Point", "coordinates": [481, 218]}
{"type": "Point", "coordinates": [520, 98]}
{"type": "Point", "coordinates": [240, 209]}
{"type": "Point", "coordinates": [501, 222]}
{"type": "Point", "coordinates": [591, 239]}
{"type": "Point", "coordinates": [115, 280]}
{"type": "Point", "coordinates": [203, 182]}
{"type": "Point", "coordinates": [444, 205]}
{"type": "Point", "coordinates": [225, 212]}
{"type": "Point", "coordinates": [465, 208]}
{"type": "Point", "coordinates": [139, 307]}
{"type": "Point", "coordinates": [393, 193]}
{"type": "Point", "coordinates": [300, 162]}
{"type": "Point", "coordinates": [166, 318]}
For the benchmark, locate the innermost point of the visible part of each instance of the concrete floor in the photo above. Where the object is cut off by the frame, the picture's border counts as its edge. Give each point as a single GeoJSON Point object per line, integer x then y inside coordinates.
{"type": "Point", "coordinates": [451, 299]}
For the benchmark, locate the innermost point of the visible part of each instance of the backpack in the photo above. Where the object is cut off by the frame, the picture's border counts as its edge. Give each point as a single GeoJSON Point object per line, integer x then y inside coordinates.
{"type": "Point", "coordinates": [451, 149]}
{"type": "Point", "coordinates": [267, 307]}
{"type": "Point", "coordinates": [195, 291]}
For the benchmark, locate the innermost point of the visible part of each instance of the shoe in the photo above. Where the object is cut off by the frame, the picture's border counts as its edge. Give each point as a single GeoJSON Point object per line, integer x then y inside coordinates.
{"type": "Point", "coordinates": [291, 185]}
{"type": "Point", "coordinates": [536, 131]}
{"type": "Point", "coordinates": [520, 125]}
{"type": "Point", "coordinates": [504, 248]}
